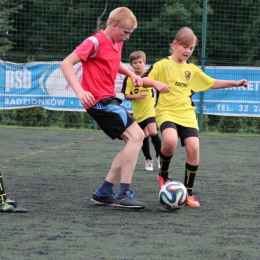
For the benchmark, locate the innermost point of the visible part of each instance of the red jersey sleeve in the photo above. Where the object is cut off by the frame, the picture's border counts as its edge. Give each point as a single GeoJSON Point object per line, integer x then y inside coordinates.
{"type": "Point", "coordinates": [87, 48]}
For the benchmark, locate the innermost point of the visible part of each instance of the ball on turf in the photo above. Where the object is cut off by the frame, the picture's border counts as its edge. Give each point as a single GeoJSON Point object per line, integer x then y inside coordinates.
{"type": "Point", "coordinates": [173, 195]}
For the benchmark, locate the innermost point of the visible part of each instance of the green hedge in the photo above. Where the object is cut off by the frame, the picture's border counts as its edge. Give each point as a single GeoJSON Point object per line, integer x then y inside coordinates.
{"type": "Point", "coordinates": [38, 116]}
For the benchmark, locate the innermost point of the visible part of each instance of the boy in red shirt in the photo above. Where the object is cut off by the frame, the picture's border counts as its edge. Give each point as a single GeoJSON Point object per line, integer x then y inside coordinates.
{"type": "Point", "coordinates": [100, 55]}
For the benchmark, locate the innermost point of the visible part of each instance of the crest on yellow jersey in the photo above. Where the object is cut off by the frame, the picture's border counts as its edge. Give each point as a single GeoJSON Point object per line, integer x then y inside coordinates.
{"type": "Point", "coordinates": [187, 74]}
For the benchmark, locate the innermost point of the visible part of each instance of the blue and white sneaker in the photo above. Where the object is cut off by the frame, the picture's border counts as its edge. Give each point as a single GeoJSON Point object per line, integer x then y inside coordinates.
{"type": "Point", "coordinates": [129, 201]}
{"type": "Point", "coordinates": [104, 200]}
{"type": "Point", "coordinates": [113, 192]}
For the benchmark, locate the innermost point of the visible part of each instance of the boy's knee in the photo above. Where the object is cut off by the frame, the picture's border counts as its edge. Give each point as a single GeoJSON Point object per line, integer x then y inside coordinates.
{"type": "Point", "coordinates": [141, 137]}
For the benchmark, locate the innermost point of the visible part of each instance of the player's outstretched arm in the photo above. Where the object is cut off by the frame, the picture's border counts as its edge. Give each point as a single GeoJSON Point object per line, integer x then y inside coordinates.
{"type": "Point", "coordinates": [229, 83]}
{"type": "Point", "coordinates": [159, 86]}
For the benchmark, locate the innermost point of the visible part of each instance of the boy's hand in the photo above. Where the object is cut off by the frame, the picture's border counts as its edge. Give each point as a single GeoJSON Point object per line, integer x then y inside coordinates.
{"type": "Point", "coordinates": [137, 81]}
{"type": "Point", "coordinates": [86, 98]}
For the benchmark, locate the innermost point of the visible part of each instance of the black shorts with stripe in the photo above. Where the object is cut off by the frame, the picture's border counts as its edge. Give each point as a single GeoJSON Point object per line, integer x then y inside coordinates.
{"type": "Point", "coordinates": [111, 117]}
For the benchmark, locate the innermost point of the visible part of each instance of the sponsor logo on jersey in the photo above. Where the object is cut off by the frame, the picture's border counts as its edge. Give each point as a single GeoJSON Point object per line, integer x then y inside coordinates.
{"type": "Point", "coordinates": [180, 84]}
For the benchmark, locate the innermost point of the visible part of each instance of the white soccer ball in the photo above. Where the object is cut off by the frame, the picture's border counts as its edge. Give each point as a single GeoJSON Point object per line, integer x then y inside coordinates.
{"type": "Point", "coordinates": [173, 195]}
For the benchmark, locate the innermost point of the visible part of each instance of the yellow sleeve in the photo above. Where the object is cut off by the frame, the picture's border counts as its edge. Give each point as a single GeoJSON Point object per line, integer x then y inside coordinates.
{"type": "Point", "coordinates": [201, 81]}
{"type": "Point", "coordinates": [129, 87]}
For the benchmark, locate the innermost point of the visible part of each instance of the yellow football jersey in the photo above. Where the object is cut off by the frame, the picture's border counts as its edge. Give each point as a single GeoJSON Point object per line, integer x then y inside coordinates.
{"type": "Point", "coordinates": [142, 108]}
{"type": "Point", "coordinates": [185, 80]}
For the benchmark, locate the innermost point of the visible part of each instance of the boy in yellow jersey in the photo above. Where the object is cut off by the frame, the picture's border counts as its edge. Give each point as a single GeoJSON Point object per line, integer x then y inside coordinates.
{"type": "Point", "coordinates": [143, 108]}
{"type": "Point", "coordinates": [7, 205]}
{"type": "Point", "coordinates": [175, 111]}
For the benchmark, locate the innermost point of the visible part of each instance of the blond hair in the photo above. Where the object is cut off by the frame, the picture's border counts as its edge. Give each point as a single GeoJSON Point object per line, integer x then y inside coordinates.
{"type": "Point", "coordinates": [121, 16]}
{"type": "Point", "coordinates": [185, 36]}
{"type": "Point", "coordinates": [136, 55]}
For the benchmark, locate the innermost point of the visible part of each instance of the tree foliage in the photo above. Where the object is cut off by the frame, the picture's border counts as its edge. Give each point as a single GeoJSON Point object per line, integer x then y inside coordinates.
{"type": "Point", "coordinates": [7, 9]}
{"type": "Point", "coordinates": [234, 31]}
{"type": "Point", "coordinates": [52, 29]}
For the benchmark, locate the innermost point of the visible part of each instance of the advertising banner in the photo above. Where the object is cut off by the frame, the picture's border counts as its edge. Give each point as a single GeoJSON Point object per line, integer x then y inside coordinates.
{"type": "Point", "coordinates": [42, 84]}
{"type": "Point", "coordinates": [236, 101]}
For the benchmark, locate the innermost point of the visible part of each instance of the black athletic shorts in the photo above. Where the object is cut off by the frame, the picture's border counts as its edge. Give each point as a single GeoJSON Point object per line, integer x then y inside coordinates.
{"type": "Point", "coordinates": [147, 121]}
{"type": "Point", "coordinates": [183, 132]}
{"type": "Point", "coordinates": [111, 117]}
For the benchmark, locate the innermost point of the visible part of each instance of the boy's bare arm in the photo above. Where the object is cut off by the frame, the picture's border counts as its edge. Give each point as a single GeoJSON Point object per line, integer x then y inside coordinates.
{"type": "Point", "coordinates": [67, 69]}
{"type": "Point", "coordinates": [136, 80]}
